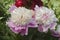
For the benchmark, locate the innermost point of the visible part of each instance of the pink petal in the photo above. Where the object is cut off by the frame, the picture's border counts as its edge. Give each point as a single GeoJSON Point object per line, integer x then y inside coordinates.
{"type": "Point", "coordinates": [12, 8]}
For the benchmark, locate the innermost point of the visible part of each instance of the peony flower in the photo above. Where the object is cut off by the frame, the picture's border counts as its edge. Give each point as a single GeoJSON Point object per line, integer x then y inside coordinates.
{"type": "Point", "coordinates": [45, 18]}
{"type": "Point", "coordinates": [36, 2]}
{"type": "Point", "coordinates": [18, 3]}
{"type": "Point", "coordinates": [21, 18]}
{"type": "Point", "coordinates": [56, 33]}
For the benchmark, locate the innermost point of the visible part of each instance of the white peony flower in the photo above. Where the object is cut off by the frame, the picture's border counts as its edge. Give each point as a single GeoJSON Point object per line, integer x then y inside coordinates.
{"type": "Point", "coordinates": [44, 15]}
{"type": "Point", "coordinates": [45, 18]}
{"type": "Point", "coordinates": [21, 15]}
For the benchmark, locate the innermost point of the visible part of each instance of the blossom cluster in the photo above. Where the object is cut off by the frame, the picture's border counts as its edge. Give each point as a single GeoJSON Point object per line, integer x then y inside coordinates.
{"type": "Point", "coordinates": [22, 19]}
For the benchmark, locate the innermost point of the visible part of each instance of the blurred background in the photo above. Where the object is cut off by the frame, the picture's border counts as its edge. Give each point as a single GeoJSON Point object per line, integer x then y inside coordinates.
{"type": "Point", "coordinates": [7, 34]}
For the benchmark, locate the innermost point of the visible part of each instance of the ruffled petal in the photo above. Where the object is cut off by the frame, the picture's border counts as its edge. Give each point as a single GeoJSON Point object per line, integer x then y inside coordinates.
{"type": "Point", "coordinates": [32, 24]}
{"type": "Point", "coordinates": [12, 8]}
{"type": "Point", "coordinates": [23, 30]}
